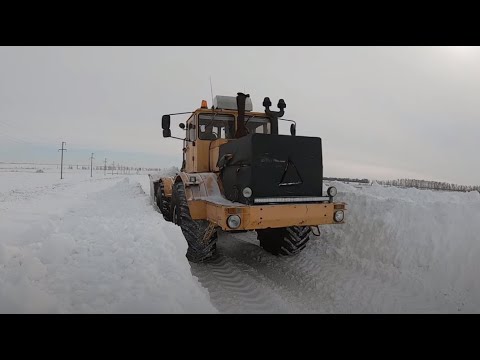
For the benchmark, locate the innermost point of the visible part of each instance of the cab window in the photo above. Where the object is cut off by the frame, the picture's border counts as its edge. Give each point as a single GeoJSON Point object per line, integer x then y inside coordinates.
{"type": "Point", "coordinates": [257, 125]}
{"type": "Point", "coordinates": [216, 126]}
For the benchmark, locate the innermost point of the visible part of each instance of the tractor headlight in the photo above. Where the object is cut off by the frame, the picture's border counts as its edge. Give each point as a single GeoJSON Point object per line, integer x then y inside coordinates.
{"type": "Point", "coordinates": [247, 192]}
{"type": "Point", "coordinates": [339, 216]}
{"type": "Point", "coordinates": [332, 191]}
{"type": "Point", "coordinates": [233, 221]}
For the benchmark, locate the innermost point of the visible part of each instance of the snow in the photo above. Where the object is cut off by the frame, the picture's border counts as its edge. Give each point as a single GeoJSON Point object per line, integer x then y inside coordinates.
{"type": "Point", "coordinates": [96, 245]}
{"type": "Point", "coordinates": [90, 246]}
{"type": "Point", "coordinates": [424, 242]}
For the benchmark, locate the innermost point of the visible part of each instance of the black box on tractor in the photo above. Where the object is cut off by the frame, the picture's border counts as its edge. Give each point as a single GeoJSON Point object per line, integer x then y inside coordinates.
{"type": "Point", "coordinates": [270, 167]}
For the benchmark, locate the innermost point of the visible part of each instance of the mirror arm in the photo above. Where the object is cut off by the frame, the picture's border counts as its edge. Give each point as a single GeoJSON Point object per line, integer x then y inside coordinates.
{"type": "Point", "coordinates": [174, 137]}
{"type": "Point", "coordinates": [182, 113]}
{"type": "Point", "coordinates": [293, 121]}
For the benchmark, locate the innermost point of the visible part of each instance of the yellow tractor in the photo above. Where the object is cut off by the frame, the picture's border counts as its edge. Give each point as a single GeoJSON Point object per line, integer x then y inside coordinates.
{"type": "Point", "coordinates": [239, 174]}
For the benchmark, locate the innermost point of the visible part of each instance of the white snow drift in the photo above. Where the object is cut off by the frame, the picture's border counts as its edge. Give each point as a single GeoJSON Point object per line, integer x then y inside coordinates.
{"type": "Point", "coordinates": [84, 245]}
{"type": "Point", "coordinates": [426, 243]}
{"type": "Point", "coordinates": [92, 246]}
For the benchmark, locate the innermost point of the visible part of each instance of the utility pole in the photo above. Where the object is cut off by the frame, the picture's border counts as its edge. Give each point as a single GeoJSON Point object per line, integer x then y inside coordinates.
{"type": "Point", "coordinates": [91, 162]}
{"type": "Point", "coordinates": [113, 165]}
{"type": "Point", "coordinates": [61, 166]}
{"type": "Point", "coordinates": [105, 168]}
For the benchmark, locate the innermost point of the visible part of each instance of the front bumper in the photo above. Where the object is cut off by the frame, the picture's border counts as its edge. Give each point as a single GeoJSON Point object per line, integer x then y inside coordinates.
{"type": "Point", "coordinates": [267, 216]}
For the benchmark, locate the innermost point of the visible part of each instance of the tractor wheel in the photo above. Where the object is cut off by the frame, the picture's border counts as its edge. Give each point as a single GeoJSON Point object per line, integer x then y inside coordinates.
{"type": "Point", "coordinates": [201, 235]}
{"type": "Point", "coordinates": [286, 241]}
{"type": "Point", "coordinates": [163, 202]}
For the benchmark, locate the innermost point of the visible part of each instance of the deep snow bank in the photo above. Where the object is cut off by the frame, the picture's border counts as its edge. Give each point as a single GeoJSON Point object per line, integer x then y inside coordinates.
{"type": "Point", "coordinates": [426, 242]}
{"type": "Point", "coordinates": [76, 249]}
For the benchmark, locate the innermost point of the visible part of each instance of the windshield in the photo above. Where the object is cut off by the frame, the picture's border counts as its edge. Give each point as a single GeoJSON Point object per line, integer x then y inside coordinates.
{"type": "Point", "coordinates": [222, 126]}
{"type": "Point", "coordinates": [257, 125]}
{"type": "Point", "coordinates": [216, 126]}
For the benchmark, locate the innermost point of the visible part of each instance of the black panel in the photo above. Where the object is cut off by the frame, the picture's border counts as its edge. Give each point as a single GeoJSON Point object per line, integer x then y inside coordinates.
{"type": "Point", "coordinates": [272, 166]}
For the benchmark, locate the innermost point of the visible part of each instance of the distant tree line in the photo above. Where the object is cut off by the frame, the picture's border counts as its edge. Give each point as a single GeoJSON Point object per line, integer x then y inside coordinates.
{"type": "Point", "coordinates": [362, 181]}
{"type": "Point", "coordinates": [426, 184]}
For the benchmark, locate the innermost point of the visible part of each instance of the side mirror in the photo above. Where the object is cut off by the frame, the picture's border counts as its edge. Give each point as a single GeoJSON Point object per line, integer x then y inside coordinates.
{"type": "Point", "coordinates": [165, 123]}
{"type": "Point", "coordinates": [182, 126]}
{"type": "Point", "coordinates": [293, 129]}
{"type": "Point", "coordinates": [167, 133]}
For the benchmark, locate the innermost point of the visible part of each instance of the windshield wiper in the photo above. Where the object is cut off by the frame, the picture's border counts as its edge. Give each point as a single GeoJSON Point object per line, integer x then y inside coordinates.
{"type": "Point", "coordinates": [211, 121]}
{"type": "Point", "coordinates": [251, 117]}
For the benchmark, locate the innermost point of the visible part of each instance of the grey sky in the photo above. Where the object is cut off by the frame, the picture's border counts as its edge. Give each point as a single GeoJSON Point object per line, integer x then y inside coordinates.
{"type": "Point", "coordinates": [382, 112]}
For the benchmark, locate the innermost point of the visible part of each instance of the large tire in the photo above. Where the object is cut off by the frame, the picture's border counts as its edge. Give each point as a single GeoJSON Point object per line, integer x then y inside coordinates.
{"type": "Point", "coordinates": [286, 241]}
{"type": "Point", "coordinates": [201, 236]}
{"type": "Point", "coordinates": [163, 202]}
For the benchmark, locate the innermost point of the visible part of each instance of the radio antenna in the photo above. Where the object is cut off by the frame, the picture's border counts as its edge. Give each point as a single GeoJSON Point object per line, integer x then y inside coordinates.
{"type": "Point", "coordinates": [211, 88]}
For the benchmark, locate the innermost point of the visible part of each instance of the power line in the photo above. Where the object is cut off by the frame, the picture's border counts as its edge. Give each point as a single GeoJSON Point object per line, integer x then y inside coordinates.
{"type": "Point", "coordinates": [61, 164]}
{"type": "Point", "coordinates": [8, 126]}
{"type": "Point", "coordinates": [17, 139]}
{"type": "Point", "coordinates": [12, 139]}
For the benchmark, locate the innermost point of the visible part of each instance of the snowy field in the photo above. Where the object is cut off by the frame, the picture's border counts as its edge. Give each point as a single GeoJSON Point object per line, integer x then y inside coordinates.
{"type": "Point", "coordinates": [96, 245]}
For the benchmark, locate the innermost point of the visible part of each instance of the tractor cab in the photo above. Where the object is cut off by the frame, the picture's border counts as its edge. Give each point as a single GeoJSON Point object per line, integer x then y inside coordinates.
{"type": "Point", "coordinates": [208, 128]}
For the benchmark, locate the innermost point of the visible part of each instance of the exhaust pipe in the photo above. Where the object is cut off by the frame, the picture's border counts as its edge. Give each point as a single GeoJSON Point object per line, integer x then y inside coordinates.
{"type": "Point", "coordinates": [241, 128]}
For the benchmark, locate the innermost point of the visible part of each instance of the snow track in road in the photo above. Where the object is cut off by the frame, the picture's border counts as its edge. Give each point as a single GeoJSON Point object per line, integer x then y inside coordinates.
{"type": "Point", "coordinates": [244, 278]}
{"type": "Point", "coordinates": [237, 288]}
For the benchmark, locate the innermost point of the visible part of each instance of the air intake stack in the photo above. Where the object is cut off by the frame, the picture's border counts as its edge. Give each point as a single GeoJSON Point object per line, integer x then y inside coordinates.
{"type": "Point", "coordinates": [241, 128]}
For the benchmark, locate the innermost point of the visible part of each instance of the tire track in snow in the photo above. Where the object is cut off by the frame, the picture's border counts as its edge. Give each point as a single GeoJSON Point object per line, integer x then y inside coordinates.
{"type": "Point", "coordinates": [235, 288]}
{"type": "Point", "coordinates": [247, 279]}
{"type": "Point", "coordinates": [280, 276]}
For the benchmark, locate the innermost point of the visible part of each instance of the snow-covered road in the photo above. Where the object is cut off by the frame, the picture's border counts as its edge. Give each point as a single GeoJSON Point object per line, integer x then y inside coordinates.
{"type": "Point", "coordinates": [96, 245]}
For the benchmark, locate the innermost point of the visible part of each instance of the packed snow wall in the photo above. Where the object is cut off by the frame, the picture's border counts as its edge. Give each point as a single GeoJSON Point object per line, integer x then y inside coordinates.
{"type": "Point", "coordinates": [426, 241]}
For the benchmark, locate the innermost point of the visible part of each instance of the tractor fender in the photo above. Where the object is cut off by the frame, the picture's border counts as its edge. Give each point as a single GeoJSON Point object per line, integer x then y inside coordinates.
{"type": "Point", "coordinates": [200, 186]}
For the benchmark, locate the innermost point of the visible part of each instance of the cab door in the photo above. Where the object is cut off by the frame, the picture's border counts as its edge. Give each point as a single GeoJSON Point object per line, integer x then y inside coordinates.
{"type": "Point", "coordinates": [189, 145]}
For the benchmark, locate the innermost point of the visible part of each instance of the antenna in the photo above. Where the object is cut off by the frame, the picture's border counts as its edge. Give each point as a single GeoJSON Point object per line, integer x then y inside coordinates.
{"type": "Point", "coordinates": [211, 88]}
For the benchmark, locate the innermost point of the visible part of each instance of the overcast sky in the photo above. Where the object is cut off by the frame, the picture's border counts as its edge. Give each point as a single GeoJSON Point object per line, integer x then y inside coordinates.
{"type": "Point", "coordinates": [382, 112]}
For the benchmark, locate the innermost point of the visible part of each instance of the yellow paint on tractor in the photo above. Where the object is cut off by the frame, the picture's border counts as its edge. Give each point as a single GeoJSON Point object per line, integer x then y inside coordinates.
{"type": "Point", "coordinates": [266, 216]}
